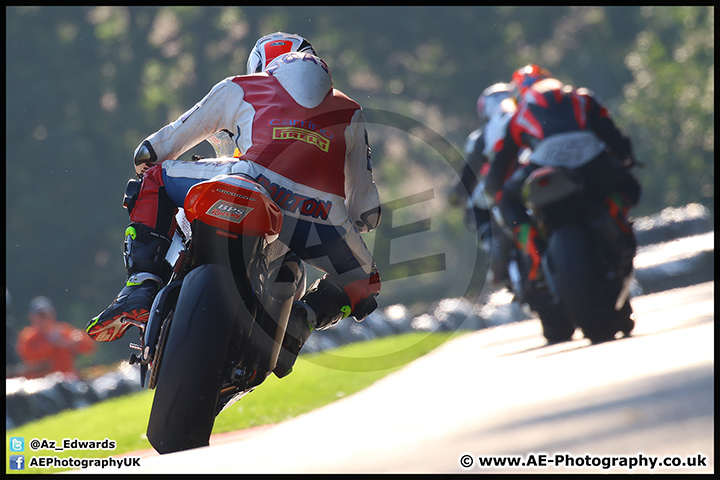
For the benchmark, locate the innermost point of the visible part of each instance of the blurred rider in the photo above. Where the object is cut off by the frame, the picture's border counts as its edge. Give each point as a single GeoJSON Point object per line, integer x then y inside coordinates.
{"type": "Point", "coordinates": [495, 108]}
{"type": "Point", "coordinates": [291, 91]}
{"type": "Point", "coordinates": [561, 125]}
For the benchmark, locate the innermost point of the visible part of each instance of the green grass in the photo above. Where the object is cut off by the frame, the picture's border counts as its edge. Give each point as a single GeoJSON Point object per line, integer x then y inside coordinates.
{"type": "Point", "coordinates": [317, 380]}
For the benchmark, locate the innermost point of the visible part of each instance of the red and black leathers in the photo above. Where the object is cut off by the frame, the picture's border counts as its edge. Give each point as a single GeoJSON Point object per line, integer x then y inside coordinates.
{"type": "Point", "coordinates": [561, 126]}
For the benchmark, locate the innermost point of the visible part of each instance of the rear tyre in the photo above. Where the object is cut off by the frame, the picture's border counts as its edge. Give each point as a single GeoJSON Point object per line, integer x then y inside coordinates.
{"type": "Point", "coordinates": [557, 325]}
{"type": "Point", "coordinates": [192, 369]}
{"type": "Point", "coordinates": [579, 284]}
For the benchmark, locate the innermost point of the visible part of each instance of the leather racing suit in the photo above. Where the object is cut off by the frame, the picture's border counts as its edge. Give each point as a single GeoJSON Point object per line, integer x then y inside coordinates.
{"type": "Point", "coordinates": [561, 126]}
{"type": "Point", "coordinates": [306, 143]}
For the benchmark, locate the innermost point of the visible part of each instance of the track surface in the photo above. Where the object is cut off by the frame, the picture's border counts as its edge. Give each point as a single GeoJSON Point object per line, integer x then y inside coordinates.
{"type": "Point", "coordinates": [501, 392]}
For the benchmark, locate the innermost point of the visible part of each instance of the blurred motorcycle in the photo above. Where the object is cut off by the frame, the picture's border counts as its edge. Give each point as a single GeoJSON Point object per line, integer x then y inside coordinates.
{"type": "Point", "coordinates": [588, 262]}
{"type": "Point", "coordinates": [507, 265]}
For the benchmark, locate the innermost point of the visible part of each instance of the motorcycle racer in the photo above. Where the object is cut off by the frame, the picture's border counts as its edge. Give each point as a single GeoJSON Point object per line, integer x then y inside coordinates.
{"type": "Point", "coordinates": [495, 108]}
{"type": "Point", "coordinates": [298, 137]}
{"type": "Point", "coordinates": [560, 125]}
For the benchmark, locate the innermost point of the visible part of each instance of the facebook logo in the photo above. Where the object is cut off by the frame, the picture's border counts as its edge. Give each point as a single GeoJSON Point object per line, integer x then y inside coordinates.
{"type": "Point", "coordinates": [17, 462]}
{"type": "Point", "coordinates": [17, 444]}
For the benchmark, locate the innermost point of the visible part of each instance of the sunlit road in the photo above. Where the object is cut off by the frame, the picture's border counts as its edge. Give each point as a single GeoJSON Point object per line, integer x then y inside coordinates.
{"type": "Point", "coordinates": [501, 392]}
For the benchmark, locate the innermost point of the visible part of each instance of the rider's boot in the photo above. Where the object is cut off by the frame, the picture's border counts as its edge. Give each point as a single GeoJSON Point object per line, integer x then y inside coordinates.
{"type": "Point", "coordinates": [532, 246]}
{"type": "Point", "coordinates": [323, 305]}
{"type": "Point", "coordinates": [500, 252]}
{"type": "Point", "coordinates": [144, 255]}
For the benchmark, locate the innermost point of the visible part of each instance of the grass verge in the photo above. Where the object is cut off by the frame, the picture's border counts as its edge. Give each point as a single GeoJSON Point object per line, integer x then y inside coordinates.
{"type": "Point", "coordinates": [317, 380]}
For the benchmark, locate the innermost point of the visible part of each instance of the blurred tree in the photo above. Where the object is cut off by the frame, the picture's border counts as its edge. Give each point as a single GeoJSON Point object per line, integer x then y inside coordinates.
{"type": "Point", "coordinates": [670, 105]}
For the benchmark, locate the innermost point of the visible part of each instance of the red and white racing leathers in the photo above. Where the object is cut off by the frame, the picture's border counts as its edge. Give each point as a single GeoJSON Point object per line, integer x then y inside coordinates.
{"type": "Point", "coordinates": [314, 160]}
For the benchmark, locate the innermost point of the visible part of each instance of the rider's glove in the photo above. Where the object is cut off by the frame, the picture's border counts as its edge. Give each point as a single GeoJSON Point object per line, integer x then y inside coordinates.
{"type": "Point", "coordinates": [365, 307]}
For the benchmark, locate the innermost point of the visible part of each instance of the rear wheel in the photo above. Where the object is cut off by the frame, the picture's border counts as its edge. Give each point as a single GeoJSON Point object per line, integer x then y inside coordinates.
{"type": "Point", "coordinates": [579, 284]}
{"type": "Point", "coordinates": [194, 361]}
{"type": "Point", "coordinates": [625, 322]}
{"type": "Point", "coordinates": [557, 325]}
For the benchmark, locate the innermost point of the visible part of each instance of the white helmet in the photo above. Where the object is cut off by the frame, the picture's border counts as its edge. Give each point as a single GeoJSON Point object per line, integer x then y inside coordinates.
{"type": "Point", "coordinates": [270, 46]}
{"type": "Point", "coordinates": [305, 77]}
{"type": "Point", "coordinates": [488, 103]}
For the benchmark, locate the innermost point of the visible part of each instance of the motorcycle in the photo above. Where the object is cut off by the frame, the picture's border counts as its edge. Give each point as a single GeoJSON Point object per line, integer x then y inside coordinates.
{"type": "Point", "coordinates": [588, 262]}
{"type": "Point", "coordinates": [217, 327]}
{"type": "Point", "coordinates": [508, 269]}
{"type": "Point", "coordinates": [534, 296]}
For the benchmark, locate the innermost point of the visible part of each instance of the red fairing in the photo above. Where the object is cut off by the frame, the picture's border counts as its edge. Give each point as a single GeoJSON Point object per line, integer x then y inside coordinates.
{"type": "Point", "coordinates": [234, 204]}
